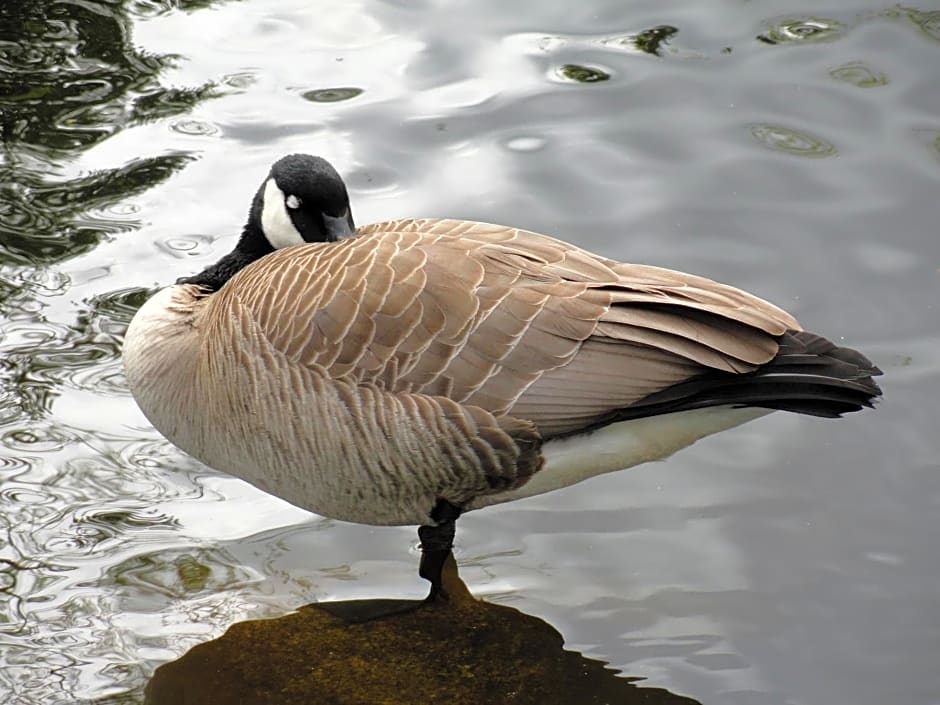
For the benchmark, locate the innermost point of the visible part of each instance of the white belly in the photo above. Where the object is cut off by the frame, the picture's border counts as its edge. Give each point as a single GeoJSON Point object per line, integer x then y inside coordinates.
{"type": "Point", "coordinates": [622, 445]}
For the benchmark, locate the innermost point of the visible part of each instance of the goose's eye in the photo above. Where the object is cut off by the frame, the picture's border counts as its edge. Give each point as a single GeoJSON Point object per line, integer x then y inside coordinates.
{"type": "Point", "coordinates": [292, 202]}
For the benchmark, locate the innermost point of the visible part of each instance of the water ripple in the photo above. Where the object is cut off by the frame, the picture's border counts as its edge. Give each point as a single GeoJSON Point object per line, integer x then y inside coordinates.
{"type": "Point", "coordinates": [100, 479]}
{"type": "Point", "coordinates": [649, 41]}
{"type": "Point", "coordinates": [117, 307]}
{"type": "Point", "coordinates": [11, 466]}
{"type": "Point", "coordinates": [38, 439]}
{"type": "Point", "coordinates": [106, 379]}
{"type": "Point", "coordinates": [24, 337]}
{"type": "Point", "coordinates": [80, 530]}
{"type": "Point", "coordinates": [43, 221]}
{"type": "Point", "coordinates": [181, 573]}
{"type": "Point", "coordinates": [859, 74]}
{"type": "Point", "coordinates": [195, 128]}
{"type": "Point", "coordinates": [185, 247]}
{"type": "Point", "coordinates": [26, 495]}
{"type": "Point", "coordinates": [927, 21]}
{"type": "Point", "coordinates": [38, 505]}
{"type": "Point", "coordinates": [40, 356]}
{"type": "Point", "coordinates": [331, 95]}
{"type": "Point", "coordinates": [802, 30]}
{"type": "Point", "coordinates": [127, 517]}
{"type": "Point", "coordinates": [576, 73]}
{"type": "Point", "coordinates": [792, 141]}
{"type": "Point", "coordinates": [525, 144]}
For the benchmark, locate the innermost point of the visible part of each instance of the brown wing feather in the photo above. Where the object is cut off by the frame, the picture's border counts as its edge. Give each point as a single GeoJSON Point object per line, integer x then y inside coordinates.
{"type": "Point", "coordinates": [508, 320]}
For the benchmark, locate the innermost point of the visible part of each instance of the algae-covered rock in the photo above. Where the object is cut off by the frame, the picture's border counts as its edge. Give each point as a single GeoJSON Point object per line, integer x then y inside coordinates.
{"type": "Point", "coordinates": [394, 652]}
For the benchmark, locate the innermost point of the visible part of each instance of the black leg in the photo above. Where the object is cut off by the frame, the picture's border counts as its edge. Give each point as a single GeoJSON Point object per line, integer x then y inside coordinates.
{"type": "Point", "coordinates": [436, 544]}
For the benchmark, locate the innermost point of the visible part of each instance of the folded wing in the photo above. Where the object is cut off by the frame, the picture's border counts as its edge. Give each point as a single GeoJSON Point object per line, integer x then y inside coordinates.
{"type": "Point", "coordinates": [504, 319]}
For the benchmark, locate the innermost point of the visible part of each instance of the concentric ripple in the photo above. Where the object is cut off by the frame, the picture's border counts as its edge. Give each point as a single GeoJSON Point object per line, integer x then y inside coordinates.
{"type": "Point", "coordinates": [331, 95]}
{"type": "Point", "coordinates": [859, 74]}
{"type": "Point", "coordinates": [802, 30]}
{"type": "Point", "coordinates": [792, 141]}
{"type": "Point", "coordinates": [195, 128]}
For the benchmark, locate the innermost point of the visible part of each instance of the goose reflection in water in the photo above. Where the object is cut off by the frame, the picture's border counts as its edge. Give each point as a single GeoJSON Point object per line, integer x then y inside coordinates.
{"type": "Point", "coordinates": [396, 652]}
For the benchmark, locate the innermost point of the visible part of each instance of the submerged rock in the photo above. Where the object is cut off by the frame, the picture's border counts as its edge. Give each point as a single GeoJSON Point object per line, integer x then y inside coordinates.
{"type": "Point", "coordinates": [395, 652]}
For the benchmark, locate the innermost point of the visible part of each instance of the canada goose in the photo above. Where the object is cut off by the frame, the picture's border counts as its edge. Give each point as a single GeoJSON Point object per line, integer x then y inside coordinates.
{"type": "Point", "coordinates": [412, 370]}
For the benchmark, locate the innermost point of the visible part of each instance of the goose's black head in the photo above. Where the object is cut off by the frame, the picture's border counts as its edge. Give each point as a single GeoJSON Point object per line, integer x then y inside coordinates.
{"type": "Point", "coordinates": [302, 199]}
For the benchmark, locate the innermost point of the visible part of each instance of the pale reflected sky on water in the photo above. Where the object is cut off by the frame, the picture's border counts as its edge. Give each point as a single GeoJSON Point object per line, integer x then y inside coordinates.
{"type": "Point", "coordinates": [791, 560]}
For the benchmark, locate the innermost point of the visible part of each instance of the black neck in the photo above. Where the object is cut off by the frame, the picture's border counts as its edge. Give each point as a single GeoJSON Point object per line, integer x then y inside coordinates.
{"type": "Point", "coordinates": [251, 246]}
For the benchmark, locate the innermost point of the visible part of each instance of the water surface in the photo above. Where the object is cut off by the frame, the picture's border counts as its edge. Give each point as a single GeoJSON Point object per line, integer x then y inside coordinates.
{"type": "Point", "coordinates": [785, 148]}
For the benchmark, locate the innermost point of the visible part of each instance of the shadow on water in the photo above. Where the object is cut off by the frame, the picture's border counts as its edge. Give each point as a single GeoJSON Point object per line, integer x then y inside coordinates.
{"type": "Point", "coordinates": [70, 77]}
{"type": "Point", "coordinates": [396, 652]}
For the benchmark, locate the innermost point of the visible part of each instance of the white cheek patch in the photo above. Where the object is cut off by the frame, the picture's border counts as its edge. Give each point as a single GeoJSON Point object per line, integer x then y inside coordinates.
{"type": "Point", "coordinates": [276, 223]}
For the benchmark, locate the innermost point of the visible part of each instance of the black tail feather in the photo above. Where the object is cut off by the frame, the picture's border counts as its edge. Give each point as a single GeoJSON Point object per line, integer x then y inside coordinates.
{"type": "Point", "coordinates": [809, 375]}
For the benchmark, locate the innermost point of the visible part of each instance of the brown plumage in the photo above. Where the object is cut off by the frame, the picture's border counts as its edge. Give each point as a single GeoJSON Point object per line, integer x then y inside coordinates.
{"type": "Point", "coordinates": [428, 363]}
{"type": "Point", "coordinates": [499, 318]}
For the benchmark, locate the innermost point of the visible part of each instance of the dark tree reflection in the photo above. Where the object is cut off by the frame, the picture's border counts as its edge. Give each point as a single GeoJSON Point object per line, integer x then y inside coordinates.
{"type": "Point", "coordinates": [70, 77]}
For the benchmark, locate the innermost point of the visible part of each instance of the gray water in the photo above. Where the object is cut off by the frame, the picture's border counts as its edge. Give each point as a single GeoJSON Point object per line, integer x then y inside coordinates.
{"type": "Point", "coordinates": [791, 149]}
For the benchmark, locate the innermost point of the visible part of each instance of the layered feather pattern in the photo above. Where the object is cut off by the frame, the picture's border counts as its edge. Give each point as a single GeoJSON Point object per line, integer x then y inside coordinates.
{"type": "Point", "coordinates": [483, 314]}
{"type": "Point", "coordinates": [429, 359]}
